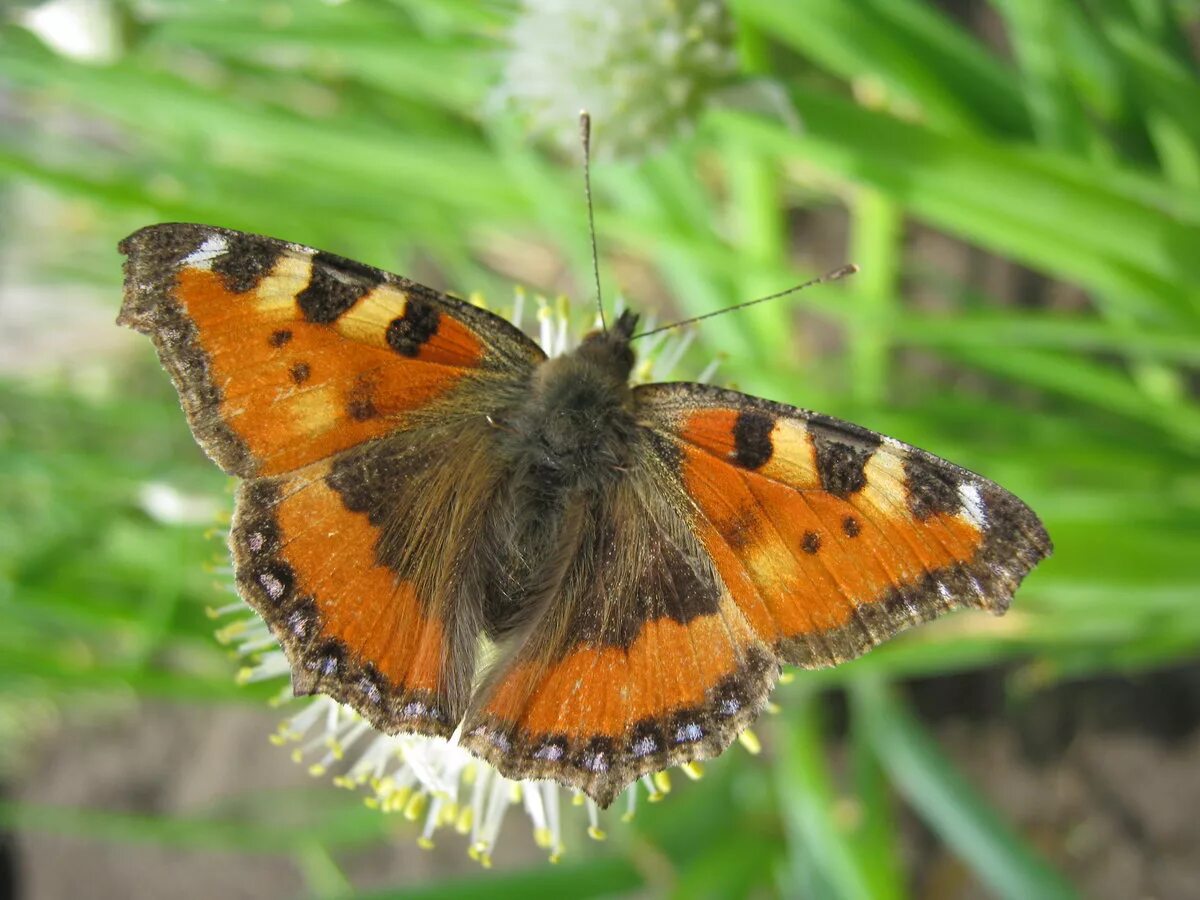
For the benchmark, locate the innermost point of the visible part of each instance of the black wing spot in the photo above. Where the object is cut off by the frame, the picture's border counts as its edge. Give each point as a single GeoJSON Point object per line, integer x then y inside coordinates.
{"type": "Point", "coordinates": [851, 527]}
{"type": "Point", "coordinates": [300, 372]}
{"type": "Point", "coordinates": [752, 446]}
{"type": "Point", "coordinates": [406, 334]}
{"type": "Point", "coordinates": [842, 455]}
{"type": "Point", "coordinates": [280, 337]}
{"type": "Point", "coordinates": [335, 285]}
{"type": "Point", "coordinates": [929, 491]}
{"type": "Point", "coordinates": [811, 543]}
{"type": "Point", "coordinates": [246, 262]}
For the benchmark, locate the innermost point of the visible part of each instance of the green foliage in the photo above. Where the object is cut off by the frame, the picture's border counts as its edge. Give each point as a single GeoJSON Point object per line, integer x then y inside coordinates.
{"type": "Point", "coordinates": [360, 128]}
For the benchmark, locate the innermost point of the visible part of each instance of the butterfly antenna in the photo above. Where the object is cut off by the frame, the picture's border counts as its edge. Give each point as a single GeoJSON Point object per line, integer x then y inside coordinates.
{"type": "Point", "coordinates": [835, 275]}
{"type": "Point", "coordinates": [585, 137]}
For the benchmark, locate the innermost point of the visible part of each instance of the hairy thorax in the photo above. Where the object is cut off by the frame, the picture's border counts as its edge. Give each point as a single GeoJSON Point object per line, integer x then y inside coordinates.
{"type": "Point", "coordinates": [576, 429]}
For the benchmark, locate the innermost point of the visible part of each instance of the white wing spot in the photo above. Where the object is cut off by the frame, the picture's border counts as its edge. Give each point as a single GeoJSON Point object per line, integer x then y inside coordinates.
{"type": "Point", "coordinates": [596, 763]}
{"type": "Point", "coordinates": [644, 746]}
{"type": "Point", "coordinates": [202, 257]}
{"type": "Point", "coordinates": [972, 502]}
{"type": "Point", "coordinates": [272, 585]}
{"type": "Point", "coordinates": [689, 733]}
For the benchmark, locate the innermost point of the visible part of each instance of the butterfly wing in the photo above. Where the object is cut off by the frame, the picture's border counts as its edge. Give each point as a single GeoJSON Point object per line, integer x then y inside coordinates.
{"type": "Point", "coordinates": [333, 387]}
{"type": "Point", "coordinates": [748, 534]}
{"type": "Point", "coordinates": [832, 538]}
{"type": "Point", "coordinates": [284, 355]}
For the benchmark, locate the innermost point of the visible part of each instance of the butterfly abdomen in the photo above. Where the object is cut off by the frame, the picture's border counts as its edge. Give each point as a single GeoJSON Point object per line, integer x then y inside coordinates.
{"type": "Point", "coordinates": [571, 439]}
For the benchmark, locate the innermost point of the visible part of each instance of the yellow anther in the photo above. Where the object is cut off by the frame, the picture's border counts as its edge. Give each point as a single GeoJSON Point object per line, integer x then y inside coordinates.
{"type": "Point", "coordinates": [596, 834]}
{"type": "Point", "coordinates": [371, 802]}
{"type": "Point", "coordinates": [297, 755]}
{"type": "Point", "coordinates": [316, 770]}
{"type": "Point", "coordinates": [476, 299]}
{"type": "Point", "coordinates": [787, 677]}
{"type": "Point", "coordinates": [693, 770]}
{"type": "Point", "coordinates": [750, 741]}
{"type": "Point", "coordinates": [425, 843]}
{"type": "Point", "coordinates": [662, 781]}
{"type": "Point", "coordinates": [577, 800]}
{"type": "Point", "coordinates": [557, 855]}
{"type": "Point", "coordinates": [466, 816]}
{"type": "Point", "coordinates": [485, 860]}
{"type": "Point", "coordinates": [448, 814]}
{"type": "Point", "coordinates": [229, 632]}
{"type": "Point", "coordinates": [244, 674]}
{"type": "Point", "coordinates": [543, 837]}
{"type": "Point", "coordinates": [415, 807]}
{"type": "Point", "coordinates": [278, 739]}
{"type": "Point", "coordinates": [335, 748]}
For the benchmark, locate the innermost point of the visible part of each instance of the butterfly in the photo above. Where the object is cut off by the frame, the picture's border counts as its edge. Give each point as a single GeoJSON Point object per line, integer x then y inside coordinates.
{"type": "Point", "coordinates": [422, 487]}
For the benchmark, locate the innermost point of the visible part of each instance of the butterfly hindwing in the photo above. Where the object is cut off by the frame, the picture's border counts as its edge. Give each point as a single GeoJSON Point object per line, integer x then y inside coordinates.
{"type": "Point", "coordinates": [638, 659]}
{"type": "Point", "coordinates": [832, 538]}
{"type": "Point", "coordinates": [284, 355]}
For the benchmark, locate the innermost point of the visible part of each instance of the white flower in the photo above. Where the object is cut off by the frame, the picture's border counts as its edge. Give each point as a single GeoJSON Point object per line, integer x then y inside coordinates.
{"type": "Point", "coordinates": [87, 31]}
{"type": "Point", "coordinates": [644, 69]}
{"type": "Point", "coordinates": [434, 781]}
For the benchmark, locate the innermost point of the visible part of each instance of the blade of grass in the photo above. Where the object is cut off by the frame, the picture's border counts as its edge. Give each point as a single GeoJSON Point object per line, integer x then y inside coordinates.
{"type": "Point", "coordinates": [1075, 225]}
{"type": "Point", "coordinates": [809, 804]}
{"type": "Point", "coordinates": [948, 803]}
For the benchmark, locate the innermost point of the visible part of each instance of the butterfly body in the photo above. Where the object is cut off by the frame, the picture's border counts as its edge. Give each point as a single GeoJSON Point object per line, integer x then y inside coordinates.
{"type": "Point", "coordinates": [423, 488]}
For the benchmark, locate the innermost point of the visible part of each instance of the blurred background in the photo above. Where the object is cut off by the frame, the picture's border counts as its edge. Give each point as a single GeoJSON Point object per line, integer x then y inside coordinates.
{"type": "Point", "coordinates": [1019, 181]}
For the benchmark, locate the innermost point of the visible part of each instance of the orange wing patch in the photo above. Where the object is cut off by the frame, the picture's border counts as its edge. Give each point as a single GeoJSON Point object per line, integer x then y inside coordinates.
{"type": "Point", "coordinates": [284, 355]}
{"type": "Point", "coordinates": [293, 389]}
{"type": "Point", "coordinates": [831, 538]}
{"type": "Point", "coordinates": [351, 628]}
{"type": "Point", "coordinates": [602, 716]}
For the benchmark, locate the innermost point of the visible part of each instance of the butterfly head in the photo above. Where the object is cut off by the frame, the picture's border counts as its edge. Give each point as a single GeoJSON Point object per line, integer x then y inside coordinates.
{"type": "Point", "coordinates": [610, 349]}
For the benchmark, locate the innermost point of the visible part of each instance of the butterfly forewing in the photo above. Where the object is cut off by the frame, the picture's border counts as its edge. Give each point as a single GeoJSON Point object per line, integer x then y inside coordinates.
{"type": "Point", "coordinates": [832, 538]}
{"type": "Point", "coordinates": [284, 355]}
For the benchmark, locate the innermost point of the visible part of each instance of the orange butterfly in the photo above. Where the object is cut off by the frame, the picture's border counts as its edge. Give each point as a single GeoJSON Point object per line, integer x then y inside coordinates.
{"type": "Point", "coordinates": [418, 476]}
